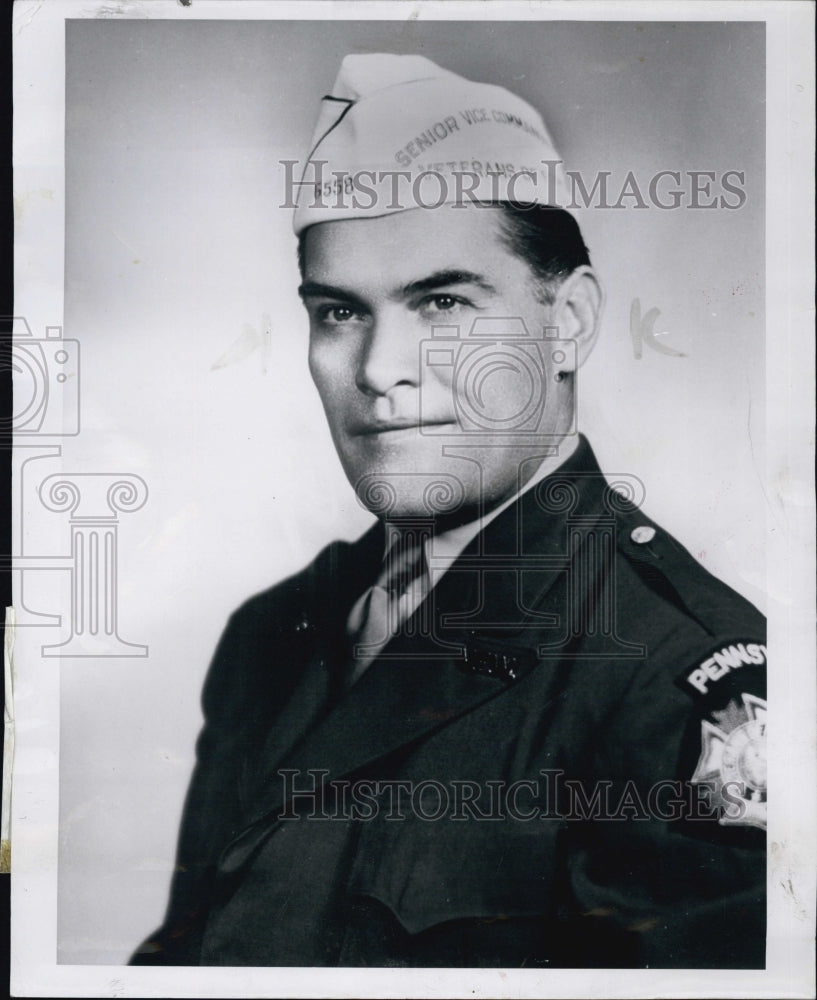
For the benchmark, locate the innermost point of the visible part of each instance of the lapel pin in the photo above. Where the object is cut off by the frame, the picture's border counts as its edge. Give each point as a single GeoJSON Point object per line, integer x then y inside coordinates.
{"type": "Point", "coordinates": [502, 664]}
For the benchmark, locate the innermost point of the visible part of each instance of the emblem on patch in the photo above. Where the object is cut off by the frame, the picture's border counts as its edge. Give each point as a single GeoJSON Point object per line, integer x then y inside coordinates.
{"type": "Point", "coordinates": [732, 765]}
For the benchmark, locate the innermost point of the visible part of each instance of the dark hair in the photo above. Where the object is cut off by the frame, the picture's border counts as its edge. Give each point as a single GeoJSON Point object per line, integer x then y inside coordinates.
{"type": "Point", "coordinates": [547, 239]}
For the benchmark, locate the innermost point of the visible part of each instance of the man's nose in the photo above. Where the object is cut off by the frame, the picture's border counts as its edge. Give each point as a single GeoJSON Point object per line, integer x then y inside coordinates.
{"type": "Point", "coordinates": [390, 355]}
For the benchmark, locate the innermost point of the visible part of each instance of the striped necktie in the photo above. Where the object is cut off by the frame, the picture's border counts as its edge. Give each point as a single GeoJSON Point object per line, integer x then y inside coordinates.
{"type": "Point", "coordinates": [380, 611]}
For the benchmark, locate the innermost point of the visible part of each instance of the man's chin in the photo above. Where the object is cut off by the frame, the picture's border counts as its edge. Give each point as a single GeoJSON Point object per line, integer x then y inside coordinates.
{"type": "Point", "coordinates": [413, 490]}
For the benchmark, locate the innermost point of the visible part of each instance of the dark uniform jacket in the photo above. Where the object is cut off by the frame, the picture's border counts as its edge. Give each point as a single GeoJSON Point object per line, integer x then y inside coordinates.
{"type": "Point", "coordinates": [558, 762]}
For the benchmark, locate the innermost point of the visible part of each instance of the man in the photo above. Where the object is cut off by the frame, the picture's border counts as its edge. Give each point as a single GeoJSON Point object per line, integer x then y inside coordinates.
{"type": "Point", "coordinates": [516, 724]}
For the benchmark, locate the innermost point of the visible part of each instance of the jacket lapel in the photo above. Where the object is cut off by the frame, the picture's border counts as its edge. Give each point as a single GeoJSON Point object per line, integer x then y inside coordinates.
{"type": "Point", "coordinates": [315, 649]}
{"type": "Point", "coordinates": [397, 702]}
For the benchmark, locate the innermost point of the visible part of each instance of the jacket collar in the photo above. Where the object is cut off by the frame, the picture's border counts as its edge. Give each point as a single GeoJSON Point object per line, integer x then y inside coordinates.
{"type": "Point", "coordinates": [508, 567]}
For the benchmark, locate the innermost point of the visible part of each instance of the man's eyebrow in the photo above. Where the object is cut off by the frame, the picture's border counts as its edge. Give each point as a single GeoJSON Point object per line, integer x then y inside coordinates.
{"type": "Point", "coordinates": [314, 289]}
{"type": "Point", "coordinates": [440, 279]}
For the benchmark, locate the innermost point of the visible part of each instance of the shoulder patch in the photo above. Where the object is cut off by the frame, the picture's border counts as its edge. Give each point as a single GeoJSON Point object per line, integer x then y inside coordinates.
{"type": "Point", "coordinates": [731, 770]}
{"type": "Point", "coordinates": [724, 748]}
{"type": "Point", "coordinates": [721, 661]}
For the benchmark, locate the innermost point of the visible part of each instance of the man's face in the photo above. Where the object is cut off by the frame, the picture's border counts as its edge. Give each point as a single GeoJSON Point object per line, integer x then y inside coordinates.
{"type": "Point", "coordinates": [399, 402]}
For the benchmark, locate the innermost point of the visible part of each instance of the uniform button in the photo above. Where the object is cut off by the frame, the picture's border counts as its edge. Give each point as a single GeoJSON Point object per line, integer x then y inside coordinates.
{"type": "Point", "coordinates": [642, 534]}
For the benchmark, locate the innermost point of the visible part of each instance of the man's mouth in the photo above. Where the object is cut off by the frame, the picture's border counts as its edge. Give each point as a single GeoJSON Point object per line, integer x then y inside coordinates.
{"type": "Point", "coordinates": [395, 426]}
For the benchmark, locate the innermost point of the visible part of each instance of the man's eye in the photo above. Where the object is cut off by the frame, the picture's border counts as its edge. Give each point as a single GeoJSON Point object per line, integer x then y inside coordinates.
{"type": "Point", "coordinates": [442, 303]}
{"type": "Point", "coordinates": [336, 315]}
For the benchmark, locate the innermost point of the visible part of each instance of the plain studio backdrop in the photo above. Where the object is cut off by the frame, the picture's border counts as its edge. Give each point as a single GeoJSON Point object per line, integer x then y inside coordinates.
{"type": "Point", "coordinates": [181, 282]}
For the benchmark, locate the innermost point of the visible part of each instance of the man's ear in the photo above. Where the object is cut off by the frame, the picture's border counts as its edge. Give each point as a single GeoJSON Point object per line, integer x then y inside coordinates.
{"type": "Point", "coordinates": [577, 313]}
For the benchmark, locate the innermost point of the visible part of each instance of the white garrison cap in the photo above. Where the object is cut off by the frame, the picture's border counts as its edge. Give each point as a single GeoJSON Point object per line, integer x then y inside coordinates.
{"type": "Point", "coordinates": [400, 132]}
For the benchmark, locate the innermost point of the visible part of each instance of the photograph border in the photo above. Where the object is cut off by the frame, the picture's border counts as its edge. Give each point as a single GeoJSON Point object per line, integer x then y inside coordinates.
{"type": "Point", "coordinates": [39, 93]}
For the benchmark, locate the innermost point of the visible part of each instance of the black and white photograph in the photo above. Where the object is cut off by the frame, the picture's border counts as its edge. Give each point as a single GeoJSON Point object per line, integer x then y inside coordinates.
{"type": "Point", "coordinates": [413, 500]}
